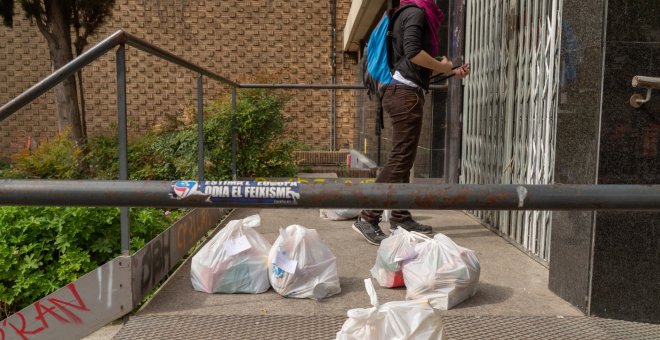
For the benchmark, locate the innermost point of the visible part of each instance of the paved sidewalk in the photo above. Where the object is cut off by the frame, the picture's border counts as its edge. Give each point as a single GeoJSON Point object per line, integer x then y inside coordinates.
{"type": "Point", "coordinates": [511, 283]}
{"type": "Point", "coordinates": [512, 289]}
{"type": "Point", "coordinates": [512, 302]}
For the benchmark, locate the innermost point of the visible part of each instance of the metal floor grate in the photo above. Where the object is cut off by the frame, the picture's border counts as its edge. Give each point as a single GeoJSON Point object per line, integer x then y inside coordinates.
{"type": "Point", "coordinates": [546, 327]}
{"type": "Point", "coordinates": [325, 327]}
{"type": "Point", "coordinates": [229, 327]}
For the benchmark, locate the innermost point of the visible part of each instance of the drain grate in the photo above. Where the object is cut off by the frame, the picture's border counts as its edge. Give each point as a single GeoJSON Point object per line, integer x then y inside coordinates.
{"type": "Point", "coordinates": [325, 327]}
{"type": "Point", "coordinates": [231, 327]}
{"type": "Point", "coordinates": [546, 327]}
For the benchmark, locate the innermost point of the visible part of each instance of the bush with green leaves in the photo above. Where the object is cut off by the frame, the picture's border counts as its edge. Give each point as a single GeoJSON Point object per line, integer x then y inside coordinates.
{"type": "Point", "coordinates": [44, 248]}
{"type": "Point", "coordinates": [263, 149]}
{"type": "Point", "coordinates": [58, 158]}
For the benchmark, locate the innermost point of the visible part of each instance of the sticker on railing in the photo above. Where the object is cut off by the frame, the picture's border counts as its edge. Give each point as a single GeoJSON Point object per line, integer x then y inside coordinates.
{"type": "Point", "coordinates": [237, 191]}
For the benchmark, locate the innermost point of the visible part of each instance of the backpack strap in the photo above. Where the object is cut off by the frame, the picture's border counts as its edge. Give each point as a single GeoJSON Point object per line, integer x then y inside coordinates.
{"type": "Point", "coordinates": [393, 14]}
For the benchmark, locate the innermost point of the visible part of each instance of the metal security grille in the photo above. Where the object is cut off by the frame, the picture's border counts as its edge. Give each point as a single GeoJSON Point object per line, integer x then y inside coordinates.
{"type": "Point", "coordinates": [510, 107]}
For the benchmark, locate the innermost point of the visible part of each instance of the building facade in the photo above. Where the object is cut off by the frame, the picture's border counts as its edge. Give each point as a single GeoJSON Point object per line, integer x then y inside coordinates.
{"type": "Point", "coordinates": [245, 41]}
{"type": "Point", "coordinates": [547, 103]}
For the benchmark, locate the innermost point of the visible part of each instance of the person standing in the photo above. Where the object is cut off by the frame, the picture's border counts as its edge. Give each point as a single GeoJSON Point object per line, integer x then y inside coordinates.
{"type": "Point", "coordinates": [415, 45]}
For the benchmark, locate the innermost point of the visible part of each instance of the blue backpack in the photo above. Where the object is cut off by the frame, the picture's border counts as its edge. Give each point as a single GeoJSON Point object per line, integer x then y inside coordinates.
{"type": "Point", "coordinates": [377, 64]}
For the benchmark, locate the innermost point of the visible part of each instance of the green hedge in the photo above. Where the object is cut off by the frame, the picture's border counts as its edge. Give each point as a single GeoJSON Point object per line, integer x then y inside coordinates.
{"type": "Point", "coordinates": [263, 149]}
{"type": "Point", "coordinates": [44, 248]}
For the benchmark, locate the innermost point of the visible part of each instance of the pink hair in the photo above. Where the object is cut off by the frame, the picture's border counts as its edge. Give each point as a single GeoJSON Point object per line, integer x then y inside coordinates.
{"type": "Point", "coordinates": [434, 18]}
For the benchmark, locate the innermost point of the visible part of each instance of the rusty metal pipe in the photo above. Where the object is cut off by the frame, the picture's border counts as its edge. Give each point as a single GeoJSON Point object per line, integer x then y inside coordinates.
{"type": "Point", "coordinates": [333, 195]}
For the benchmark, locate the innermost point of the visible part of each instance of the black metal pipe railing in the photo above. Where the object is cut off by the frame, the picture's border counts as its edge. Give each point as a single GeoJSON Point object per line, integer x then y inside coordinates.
{"type": "Point", "coordinates": [122, 124]}
{"type": "Point", "coordinates": [159, 52]}
{"type": "Point", "coordinates": [333, 195]}
{"type": "Point", "coordinates": [200, 128]}
{"type": "Point", "coordinates": [233, 133]}
{"type": "Point", "coordinates": [321, 86]}
{"type": "Point", "coordinates": [120, 39]}
{"type": "Point", "coordinates": [93, 53]}
{"type": "Point", "coordinates": [304, 86]}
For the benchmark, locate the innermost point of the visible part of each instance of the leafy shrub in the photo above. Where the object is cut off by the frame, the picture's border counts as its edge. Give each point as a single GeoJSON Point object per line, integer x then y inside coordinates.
{"type": "Point", "coordinates": [145, 162]}
{"type": "Point", "coordinates": [56, 159]}
{"type": "Point", "coordinates": [44, 248]}
{"type": "Point", "coordinates": [262, 148]}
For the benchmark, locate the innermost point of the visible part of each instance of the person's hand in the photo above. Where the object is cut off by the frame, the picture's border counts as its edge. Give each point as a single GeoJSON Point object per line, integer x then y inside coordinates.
{"type": "Point", "coordinates": [446, 65]}
{"type": "Point", "coordinates": [462, 71]}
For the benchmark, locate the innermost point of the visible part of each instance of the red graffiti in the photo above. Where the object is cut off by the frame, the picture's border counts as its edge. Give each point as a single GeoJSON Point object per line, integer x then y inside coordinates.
{"type": "Point", "coordinates": [60, 310]}
{"type": "Point", "coordinates": [22, 332]}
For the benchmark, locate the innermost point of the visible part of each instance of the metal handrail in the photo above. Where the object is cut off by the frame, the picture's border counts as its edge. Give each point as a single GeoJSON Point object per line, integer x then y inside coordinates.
{"type": "Point", "coordinates": [118, 38]}
{"type": "Point", "coordinates": [339, 193]}
{"type": "Point", "coordinates": [159, 52]}
{"type": "Point", "coordinates": [121, 38]}
{"type": "Point", "coordinates": [322, 86]}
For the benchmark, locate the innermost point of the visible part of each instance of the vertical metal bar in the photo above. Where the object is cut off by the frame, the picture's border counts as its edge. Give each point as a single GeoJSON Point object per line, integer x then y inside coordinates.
{"type": "Point", "coordinates": [123, 144]}
{"type": "Point", "coordinates": [200, 128]}
{"type": "Point", "coordinates": [546, 90]}
{"type": "Point", "coordinates": [536, 114]}
{"type": "Point", "coordinates": [467, 96]}
{"type": "Point", "coordinates": [496, 112]}
{"type": "Point", "coordinates": [527, 115]}
{"type": "Point", "coordinates": [468, 168]}
{"type": "Point", "coordinates": [483, 67]}
{"type": "Point", "coordinates": [233, 133]}
{"type": "Point", "coordinates": [333, 63]}
{"type": "Point", "coordinates": [333, 120]}
{"type": "Point", "coordinates": [471, 95]}
{"type": "Point", "coordinates": [499, 86]}
{"type": "Point", "coordinates": [488, 114]}
{"type": "Point", "coordinates": [509, 118]}
{"type": "Point", "coordinates": [465, 156]}
{"type": "Point", "coordinates": [556, 11]}
{"type": "Point", "coordinates": [520, 123]}
{"type": "Point", "coordinates": [481, 95]}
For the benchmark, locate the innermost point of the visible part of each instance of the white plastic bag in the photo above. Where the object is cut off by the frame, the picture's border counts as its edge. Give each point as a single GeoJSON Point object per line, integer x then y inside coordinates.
{"type": "Point", "coordinates": [443, 272]}
{"type": "Point", "coordinates": [339, 214]}
{"type": "Point", "coordinates": [398, 247]}
{"type": "Point", "coordinates": [234, 261]}
{"type": "Point", "coordinates": [414, 319]}
{"type": "Point", "coordinates": [300, 265]}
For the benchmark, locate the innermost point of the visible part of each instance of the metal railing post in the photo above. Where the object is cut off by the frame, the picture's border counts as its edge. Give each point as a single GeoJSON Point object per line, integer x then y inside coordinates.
{"type": "Point", "coordinates": [200, 129]}
{"type": "Point", "coordinates": [123, 144]}
{"type": "Point", "coordinates": [233, 133]}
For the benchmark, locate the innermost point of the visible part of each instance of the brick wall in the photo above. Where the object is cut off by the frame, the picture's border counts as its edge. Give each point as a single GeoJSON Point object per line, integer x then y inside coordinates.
{"type": "Point", "coordinates": [246, 41]}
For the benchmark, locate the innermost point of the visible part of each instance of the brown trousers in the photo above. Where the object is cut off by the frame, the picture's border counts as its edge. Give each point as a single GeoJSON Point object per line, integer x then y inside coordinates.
{"type": "Point", "coordinates": [405, 107]}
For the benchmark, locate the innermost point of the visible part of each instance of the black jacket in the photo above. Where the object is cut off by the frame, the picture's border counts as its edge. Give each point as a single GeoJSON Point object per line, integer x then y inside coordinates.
{"type": "Point", "coordinates": [409, 37]}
